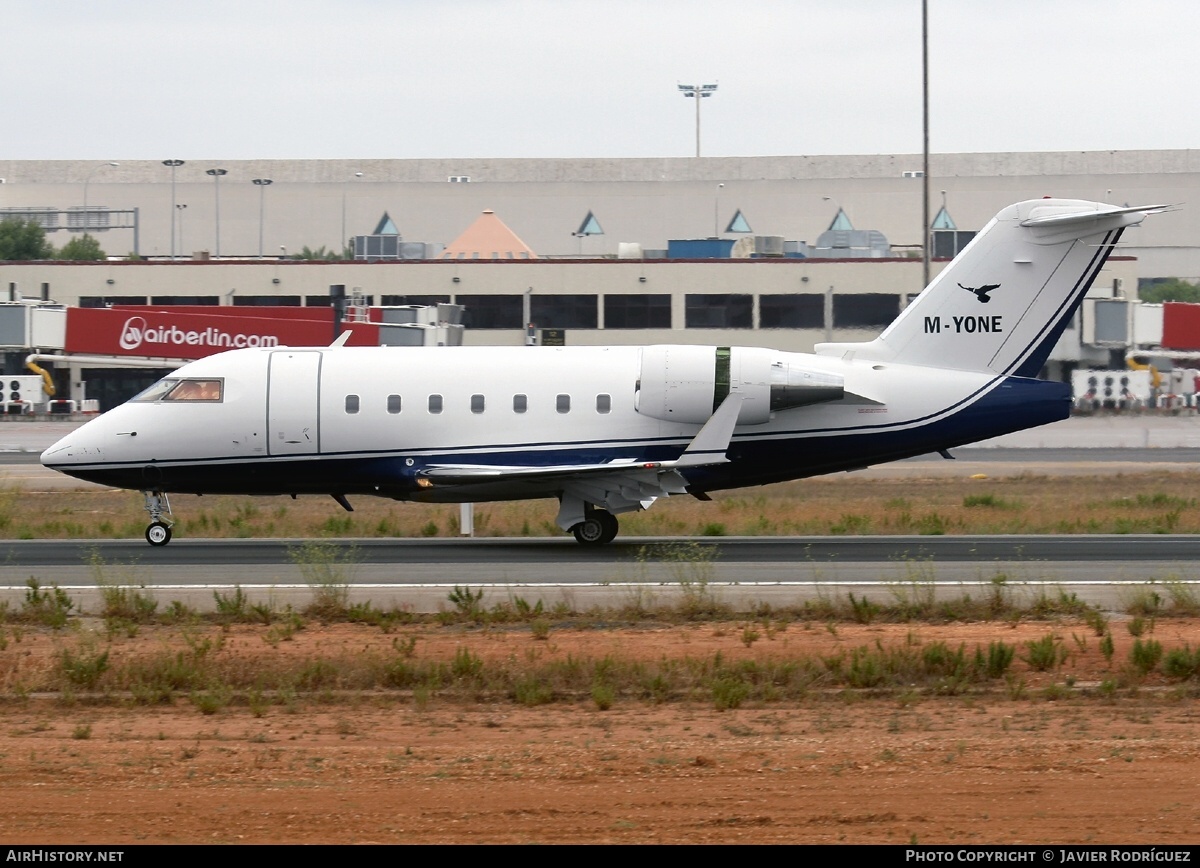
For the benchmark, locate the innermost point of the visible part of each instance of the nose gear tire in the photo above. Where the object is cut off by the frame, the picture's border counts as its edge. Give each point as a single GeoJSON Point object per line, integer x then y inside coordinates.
{"type": "Point", "coordinates": [158, 533]}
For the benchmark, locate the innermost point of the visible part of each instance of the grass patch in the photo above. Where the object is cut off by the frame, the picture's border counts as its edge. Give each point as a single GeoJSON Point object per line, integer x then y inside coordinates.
{"type": "Point", "coordinates": [1151, 503]}
{"type": "Point", "coordinates": [1045, 654]}
{"type": "Point", "coordinates": [200, 667]}
{"type": "Point", "coordinates": [50, 607]}
{"type": "Point", "coordinates": [327, 568]}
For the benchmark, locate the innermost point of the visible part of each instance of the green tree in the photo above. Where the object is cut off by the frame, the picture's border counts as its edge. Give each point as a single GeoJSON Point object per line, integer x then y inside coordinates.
{"type": "Point", "coordinates": [22, 240]}
{"type": "Point", "coordinates": [85, 247]}
{"type": "Point", "coordinates": [321, 254]}
{"type": "Point", "coordinates": [1170, 290]}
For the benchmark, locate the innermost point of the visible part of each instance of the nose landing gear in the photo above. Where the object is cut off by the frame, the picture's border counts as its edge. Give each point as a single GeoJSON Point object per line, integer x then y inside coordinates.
{"type": "Point", "coordinates": [158, 533]}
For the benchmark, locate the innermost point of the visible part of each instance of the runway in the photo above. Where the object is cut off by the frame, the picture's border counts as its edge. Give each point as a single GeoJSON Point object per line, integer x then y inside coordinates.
{"type": "Point", "coordinates": [419, 573]}
{"type": "Point", "coordinates": [466, 555]}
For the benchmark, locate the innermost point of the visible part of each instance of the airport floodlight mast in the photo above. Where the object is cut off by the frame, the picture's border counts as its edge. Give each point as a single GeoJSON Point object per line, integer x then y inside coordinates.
{"type": "Point", "coordinates": [262, 184]}
{"type": "Point", "coordinates": [87, 220]}
{"type": "Point", "coordinates": [173, 165]}
{"type": "Point", "coordinates": [180, 209]}
{"type": "Point", "coordinates": [698, 93]}
{"type": "Point", "coordinates": [343, 240]}
{"type": "Point", "coordinates": [925, 237]}
{"type": "Point", "coordinates": [216, 176]}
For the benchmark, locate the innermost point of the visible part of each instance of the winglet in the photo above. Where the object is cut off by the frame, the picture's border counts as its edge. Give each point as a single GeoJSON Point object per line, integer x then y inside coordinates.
{"type": "Point", "coordinates": [711, 443]}
{"type": "Point", "coordinates": [340, 340]}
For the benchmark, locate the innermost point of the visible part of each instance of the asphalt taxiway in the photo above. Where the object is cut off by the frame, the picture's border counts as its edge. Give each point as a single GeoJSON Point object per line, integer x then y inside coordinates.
{"type": "Point", "coordinates": [417, 573]}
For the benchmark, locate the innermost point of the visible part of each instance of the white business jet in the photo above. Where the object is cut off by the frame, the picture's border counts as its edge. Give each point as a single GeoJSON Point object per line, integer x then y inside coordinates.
{"type": "Point", "coordinates": [609, 430]}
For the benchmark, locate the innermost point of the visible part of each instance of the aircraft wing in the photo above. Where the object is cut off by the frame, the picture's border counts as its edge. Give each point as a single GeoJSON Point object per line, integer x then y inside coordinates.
{"type": "Point", "coordinates": [620, 485]}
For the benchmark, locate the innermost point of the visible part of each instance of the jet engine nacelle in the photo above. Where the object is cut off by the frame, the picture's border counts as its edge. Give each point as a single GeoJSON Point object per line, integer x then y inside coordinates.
{"type": "Point", "coordinates": [687, 384]}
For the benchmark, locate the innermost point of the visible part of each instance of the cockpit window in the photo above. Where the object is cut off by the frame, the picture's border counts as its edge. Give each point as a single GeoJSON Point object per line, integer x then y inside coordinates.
{"type": "Point", "coordinates": [191, 391]}
{"type": "Point", "coordinates": [195, 390]}
{"type": "Point", "coordinates": [155, 392]}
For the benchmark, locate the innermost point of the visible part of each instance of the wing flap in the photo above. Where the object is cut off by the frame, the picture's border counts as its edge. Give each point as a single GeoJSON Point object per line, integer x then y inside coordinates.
{"type": "Point", "coordinates": [468, 473]}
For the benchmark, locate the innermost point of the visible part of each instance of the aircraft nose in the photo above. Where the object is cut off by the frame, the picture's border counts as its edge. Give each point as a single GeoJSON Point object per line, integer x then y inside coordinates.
{"type": "Point", "coordinates": [69, 450]}
{"type": "Point", "coordinates": [58, 454]}
{"type": "Point", "coordinates": [54, 453]}
{"type": "Point", "coordinates": [79, 454]}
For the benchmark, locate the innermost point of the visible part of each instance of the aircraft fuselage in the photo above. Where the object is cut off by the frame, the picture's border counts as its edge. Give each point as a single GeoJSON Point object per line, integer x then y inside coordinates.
{"type": "Point", "coordinates": [371, 420]}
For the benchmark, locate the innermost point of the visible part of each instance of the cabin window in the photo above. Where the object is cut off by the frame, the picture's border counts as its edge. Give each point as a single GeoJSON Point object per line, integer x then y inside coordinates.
{"type": "Point", "coordinates": [563, 403]}
{"type": "Point", "coordinates": [393, 404]}
{"type": "Point", "coordinates": [435, 403]}
{"type": "Point", "coordinates": [520, 403]}
{"type": "Point", "coordinates": [477, 403]}
{"type": "Point", "coordinates": [184, 391]}
{"type": "Point", "coordinates": [604, 403]}
{"type": "Point", "coordinates": [352, 403]}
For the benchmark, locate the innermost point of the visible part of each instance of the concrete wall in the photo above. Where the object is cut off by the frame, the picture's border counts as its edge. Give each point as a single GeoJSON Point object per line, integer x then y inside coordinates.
{"type": "Point", "coordinates": [69, 282]}
{"type": "Point", "coordinates": [641, 200]}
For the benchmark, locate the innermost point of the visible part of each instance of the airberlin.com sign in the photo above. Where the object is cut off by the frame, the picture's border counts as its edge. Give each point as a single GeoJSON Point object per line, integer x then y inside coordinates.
{"type": "Point", "coordinates": [137, 335]}
{"type": "Point", "coordinates": [167, 334]}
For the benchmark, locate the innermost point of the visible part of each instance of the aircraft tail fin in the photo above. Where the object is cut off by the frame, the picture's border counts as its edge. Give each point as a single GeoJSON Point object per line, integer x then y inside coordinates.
{"type": "Point", "coordinates": [1004, 301]}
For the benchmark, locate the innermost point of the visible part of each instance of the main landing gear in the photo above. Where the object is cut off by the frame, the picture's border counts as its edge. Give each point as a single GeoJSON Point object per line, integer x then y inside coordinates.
{"type": "Point", "coordinates": [589, 525]}
{"type": "Point", "coordinates": [158, 533]}
{"type": "Point", "coordinates": [599, 527]}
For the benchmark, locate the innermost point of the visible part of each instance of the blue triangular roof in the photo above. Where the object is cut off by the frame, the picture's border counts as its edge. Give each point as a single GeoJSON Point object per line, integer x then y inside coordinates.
{"type": "Point", "coordinates": [943, 220]}
{"type": "Point", "coordinates": [738, 223]}
{"type": "Point", "coordinates": [386, 226]}
{"type": "Point", "coordinates": [841, 221]}
{"type": "Point", "coordinates": [590, 226]}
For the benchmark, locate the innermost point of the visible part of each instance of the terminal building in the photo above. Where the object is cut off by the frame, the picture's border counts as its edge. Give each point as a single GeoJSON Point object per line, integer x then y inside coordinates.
{"type": "Point", "coordinates": [782, 252]}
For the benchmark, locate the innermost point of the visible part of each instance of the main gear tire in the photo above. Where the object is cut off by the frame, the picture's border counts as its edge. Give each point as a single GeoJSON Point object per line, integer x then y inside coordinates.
{"type": "Point", "coordinates": [597, 529]}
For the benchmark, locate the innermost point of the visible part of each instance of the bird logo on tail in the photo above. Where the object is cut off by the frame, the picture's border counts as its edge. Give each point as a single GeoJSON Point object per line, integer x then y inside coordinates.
{"type": "Point", "coordinates": [981, 292]}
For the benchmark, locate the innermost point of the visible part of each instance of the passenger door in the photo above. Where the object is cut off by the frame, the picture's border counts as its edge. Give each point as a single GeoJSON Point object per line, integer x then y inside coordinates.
{"type": "Point", "coordinates": [293, 423]}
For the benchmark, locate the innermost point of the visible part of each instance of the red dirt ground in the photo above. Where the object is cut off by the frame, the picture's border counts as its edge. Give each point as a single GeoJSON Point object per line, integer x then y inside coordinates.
{"type": "Point", "coordinates": [1064, 766]}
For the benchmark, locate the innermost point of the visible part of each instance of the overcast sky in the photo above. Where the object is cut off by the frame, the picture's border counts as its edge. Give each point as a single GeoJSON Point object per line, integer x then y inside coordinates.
{"type": "Point", "coordinates": [247, 79]}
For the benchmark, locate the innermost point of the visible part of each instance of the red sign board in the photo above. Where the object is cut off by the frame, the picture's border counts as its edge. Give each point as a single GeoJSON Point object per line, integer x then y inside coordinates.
{"type": "Point", "coordinates": [158, 332]}
{"type": "Point", "coordinates": [1181, 326]}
